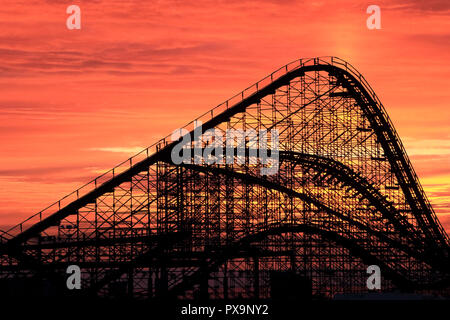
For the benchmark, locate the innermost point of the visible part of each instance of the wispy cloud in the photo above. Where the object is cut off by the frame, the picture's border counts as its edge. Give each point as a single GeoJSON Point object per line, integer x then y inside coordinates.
{"type": "Point", "coordinates": [427, 147]}
{"type": "Point", "coordinates": [420, 6]}
{"type": "Point", "coordinates": [127, 150]}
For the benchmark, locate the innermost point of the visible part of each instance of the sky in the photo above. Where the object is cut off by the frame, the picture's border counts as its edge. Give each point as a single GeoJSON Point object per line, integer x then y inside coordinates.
{"type": "Point", "coordinates": [74, 103]}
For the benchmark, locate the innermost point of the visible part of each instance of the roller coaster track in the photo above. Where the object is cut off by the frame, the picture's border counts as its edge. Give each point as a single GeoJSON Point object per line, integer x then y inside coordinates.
{"type": "Point", "coordinates": [325, 110]}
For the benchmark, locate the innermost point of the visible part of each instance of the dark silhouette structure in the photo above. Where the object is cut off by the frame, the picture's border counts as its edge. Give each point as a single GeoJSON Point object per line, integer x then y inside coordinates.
{"type": "Point", "coordinates": [345, 197]}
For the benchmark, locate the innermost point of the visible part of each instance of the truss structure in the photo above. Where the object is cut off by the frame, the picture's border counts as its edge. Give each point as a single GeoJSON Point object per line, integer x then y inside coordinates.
{"type": "Point", "coordinates": [345, 197]}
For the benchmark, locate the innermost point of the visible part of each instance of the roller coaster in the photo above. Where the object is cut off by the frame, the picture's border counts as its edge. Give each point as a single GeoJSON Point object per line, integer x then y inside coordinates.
{"type": "Point", "coordinates": [345, 196]}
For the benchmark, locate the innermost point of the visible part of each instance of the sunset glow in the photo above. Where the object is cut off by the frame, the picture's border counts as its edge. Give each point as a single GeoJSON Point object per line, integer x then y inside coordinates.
{"type": "Point", "coordinates": [74, 103]}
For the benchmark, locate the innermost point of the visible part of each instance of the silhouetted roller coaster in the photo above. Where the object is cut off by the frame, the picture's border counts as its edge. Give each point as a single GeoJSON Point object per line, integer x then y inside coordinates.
{"type": "Point", "coordinates": [345, 196]}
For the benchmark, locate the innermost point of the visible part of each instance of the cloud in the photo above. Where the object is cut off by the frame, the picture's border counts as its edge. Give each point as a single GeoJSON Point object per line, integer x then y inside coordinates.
{"type": "Point", "coordinates": [420, 6]}
{"type": "Point", "coordinates": [67, 173]}
{"type": "Point", "coordinates": [427, 147]}
{"type": "Point", "coordinates": [438, 40]}
{"type": "Point", "coordinates": [115, 58]}
{"type": "Point", "coordinates": [132, 150]}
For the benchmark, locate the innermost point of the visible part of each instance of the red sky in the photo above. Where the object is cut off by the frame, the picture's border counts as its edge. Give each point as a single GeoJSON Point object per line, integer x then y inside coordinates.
{"type": "Point", "coordinates": [73, 103]}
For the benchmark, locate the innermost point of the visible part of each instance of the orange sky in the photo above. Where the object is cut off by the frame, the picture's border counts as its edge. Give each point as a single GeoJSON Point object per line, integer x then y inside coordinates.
{"type": "Point", "coordinates": [74, 103]}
